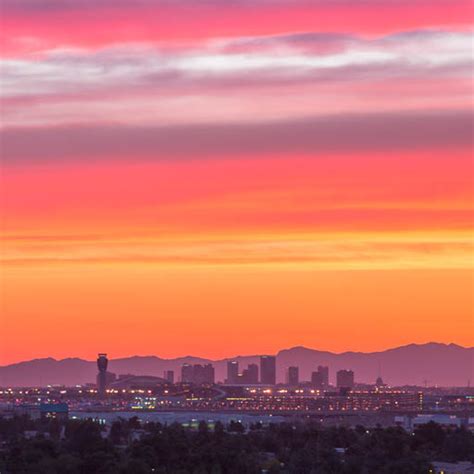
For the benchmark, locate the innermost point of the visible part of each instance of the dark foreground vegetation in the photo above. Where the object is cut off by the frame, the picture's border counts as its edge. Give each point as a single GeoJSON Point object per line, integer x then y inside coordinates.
{"type": "Point", "coordinates": [82, 447]}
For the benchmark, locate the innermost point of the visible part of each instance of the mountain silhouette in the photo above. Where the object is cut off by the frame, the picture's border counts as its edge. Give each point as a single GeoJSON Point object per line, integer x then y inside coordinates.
{"type": "Point", "coordinates": [413, 364]}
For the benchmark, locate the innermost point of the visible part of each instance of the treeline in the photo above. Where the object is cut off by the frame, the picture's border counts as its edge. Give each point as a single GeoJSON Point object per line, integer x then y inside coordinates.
{"type": "Point", "coordinates": [81, 447]}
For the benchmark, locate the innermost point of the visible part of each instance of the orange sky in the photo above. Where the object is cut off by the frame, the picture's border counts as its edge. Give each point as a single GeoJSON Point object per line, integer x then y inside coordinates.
{"type": "Point", "coordinates": [232, 186]}
{"type": "Point", "coordinates": [217, 311]}
{"type": "Point", "coordinates": [242, 256]}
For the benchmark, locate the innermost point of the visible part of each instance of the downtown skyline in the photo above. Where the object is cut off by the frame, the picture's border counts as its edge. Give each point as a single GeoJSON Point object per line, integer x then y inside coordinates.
{"type": "Point", "coordinates": [414, 364]}
{"type": "Point", "coordinates": [190, 179]}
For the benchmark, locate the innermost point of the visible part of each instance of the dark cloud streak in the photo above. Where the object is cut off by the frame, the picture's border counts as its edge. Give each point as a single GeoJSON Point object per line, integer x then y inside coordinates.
{"type": "Point", "coordinates": [331, 134]}
{"type": "Point", "coordinates": [67, 5]}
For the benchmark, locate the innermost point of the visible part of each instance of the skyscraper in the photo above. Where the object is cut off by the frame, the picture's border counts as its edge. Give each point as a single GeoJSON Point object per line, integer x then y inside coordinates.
{"type": "Point", "coordinates": [249, 375]}
{"type": "Point", "coordinates": [169, 376]}
{"type": "Point", "coordinates": [204, 374]}
{"type": "Point", "coordinates": [232, 371]}
{"type": "Point", "coordinates": [317, 380]}
{"type": "Point", "coordinates": [324, 371]}
{"type": "Point", "coordinates": [320, 378]}
{"type": "Point", "coordinates": [102, 363]}
{"type": "Point", "coordinates": [292, 376]}
{"type": "Point", "coordinates": [187, 373]}
{"type": "Point", "coordinates": [345, 379]}
{"type": "Point", "coordinates": [197, 373]}
{"type": "Point", "coordinates": [268, 370]}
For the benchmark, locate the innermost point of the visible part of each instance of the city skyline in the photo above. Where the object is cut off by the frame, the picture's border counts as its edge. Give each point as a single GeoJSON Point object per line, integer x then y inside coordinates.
{"type": "Point", "coordinates": [433, 363]}
{"type": "Point", "coordinates": [184, 177]}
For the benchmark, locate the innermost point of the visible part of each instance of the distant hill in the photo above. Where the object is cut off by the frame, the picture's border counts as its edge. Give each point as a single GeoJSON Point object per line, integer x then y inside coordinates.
{"type": "Point", "coordinates": [437, 364]}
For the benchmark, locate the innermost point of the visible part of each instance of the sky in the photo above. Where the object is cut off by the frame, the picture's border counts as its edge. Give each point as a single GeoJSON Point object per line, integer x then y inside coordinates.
{"type": "Point", "coordinates": [234, 177]}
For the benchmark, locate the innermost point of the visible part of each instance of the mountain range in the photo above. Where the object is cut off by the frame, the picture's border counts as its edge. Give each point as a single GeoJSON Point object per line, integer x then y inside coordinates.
{"type": "Point", "coordinates": [413, 364]}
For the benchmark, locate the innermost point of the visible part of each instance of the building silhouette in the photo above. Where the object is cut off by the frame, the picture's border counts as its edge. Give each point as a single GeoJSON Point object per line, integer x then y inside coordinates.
{"type": "Point", "coordinates": [203, 374]}
{"type": "Point", "coordinates": [197, 374]}
{"type": "Point", "coordinates": [345, 379]}
{"type": "Point", "coordinates": [379, 381]}
{"type": "Point", "coordinates": [168, 375]}
{"type": "Point", "coordinates": [249, 375]}
{"type": "Point", "coordinates": [187, 373]}
{"type": "Point", "coordinates": [316, 380]}
{"type": "Point", "coordinates": [268, 370]}
{"type": "Point", "coordinates": [137, 382]}
{"type": "Point", "coordinates": [293, 376]}
{"type": "Point", "coordinates": [232, 372]}
{"type": "Point", "coordinates": [324, 371]}
{"type": "Point", "coordinates": [320, 378]}
{"type": "Point", "coordinates": [102, 363]}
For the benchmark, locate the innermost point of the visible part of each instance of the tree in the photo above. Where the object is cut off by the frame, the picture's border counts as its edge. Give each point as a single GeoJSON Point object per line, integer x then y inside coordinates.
{"type": "Point", "coordinates": [116, 432]}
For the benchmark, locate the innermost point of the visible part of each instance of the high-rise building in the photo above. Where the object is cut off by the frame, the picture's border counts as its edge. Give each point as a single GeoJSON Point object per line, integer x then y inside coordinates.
{"type": "Point", "coordinates": [317, 380]}
{"type": "Point", "coordinates": [232, 371]}
{"type": "Point", "coordinates": [197, 374]}
{"type": "Point", "coordinates": [292, 376]}
{"type": "Point", "coordinates": [187, 373]}
{"type": "Point", "coordinates": [102, 363]}
{"type": "Point", "coordinates": [169, 376]}
{"type": "Point", "coordinates": [320, 378]}
{"type": "Point", "coordinates": [345, 379]}
{"type": "Point", "coordinates": [268, 370]}
{"type": "Point", "coordinates": [324, 371]}
{"type": "Point", "coordinates": [249, 375]}
{"type": "Point", "coordinates": [204, 374]}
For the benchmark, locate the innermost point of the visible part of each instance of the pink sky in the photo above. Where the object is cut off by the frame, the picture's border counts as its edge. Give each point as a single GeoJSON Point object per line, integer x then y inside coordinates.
{"type": "Point", "coordinates": [204, 156]}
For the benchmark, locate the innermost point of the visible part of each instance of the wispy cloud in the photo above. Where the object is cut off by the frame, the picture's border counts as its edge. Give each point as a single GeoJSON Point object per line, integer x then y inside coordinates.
{"type": "Point", "coordinates": [224, 79]}
{"type": "Point", "coordinates": [334, 251]}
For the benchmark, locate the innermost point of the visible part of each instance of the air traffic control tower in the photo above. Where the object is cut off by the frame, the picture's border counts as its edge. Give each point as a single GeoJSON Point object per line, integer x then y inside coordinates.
{"type": "Point", "coordinates": [102, 363]}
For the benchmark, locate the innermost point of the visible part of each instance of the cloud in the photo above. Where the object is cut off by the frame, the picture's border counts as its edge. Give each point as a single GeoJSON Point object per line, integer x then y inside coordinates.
{"type": "Point", "coordinates": [332, 134]}
{"type": "Point", "coordinates": [315, 250]}
{"type": "Point", "coordinates": [238, 79]}
{"type": "Point", "coordinates": [49, 5]}
{"type": "Point", "coordinates": [94, 24]}
{"type": "Point", "coordinates": [300, 57]}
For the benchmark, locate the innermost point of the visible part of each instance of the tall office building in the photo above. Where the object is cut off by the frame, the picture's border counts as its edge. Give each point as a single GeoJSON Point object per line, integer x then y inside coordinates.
{"type": "Point", "coordinates": [169, 376]}
{"type": "Point", "coordinates": [317, 380]}
{"type": "Point", "coordinates": [197, 374]}
{"type": "Point", "coordinates": [324, 371]}
{"type": "Point", "coordinates": [345, 379]}
{"type": "Point", "coordinates": [187, 373]}
{"type": "Point", "coordinates": [102, 363]}
{"type": "Point", "coordinates": [320, 378]}
{"type": "Point", "coordinates": [292, 376]}
{"type": "Point", "coordinates": [268, 370]}
{"type": "Point", "coordinates": [249, 375]}
{"type": "Point", "coordinates": [203, 374]}
{"type": "Point", "coordinates": [232, 371]}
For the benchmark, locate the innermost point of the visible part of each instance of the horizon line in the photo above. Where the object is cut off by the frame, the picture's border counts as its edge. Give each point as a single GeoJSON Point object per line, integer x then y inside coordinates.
{"type": "Point", "coordinates": [446, 344]}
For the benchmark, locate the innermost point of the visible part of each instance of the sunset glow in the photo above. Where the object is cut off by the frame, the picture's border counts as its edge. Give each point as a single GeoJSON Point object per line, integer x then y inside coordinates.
{"type": "Point", "coordinates": [235, 177]}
